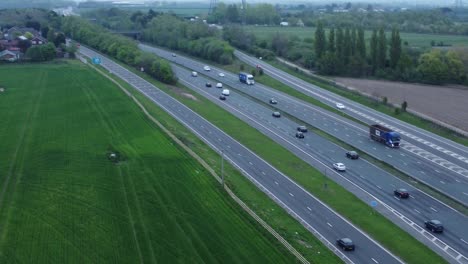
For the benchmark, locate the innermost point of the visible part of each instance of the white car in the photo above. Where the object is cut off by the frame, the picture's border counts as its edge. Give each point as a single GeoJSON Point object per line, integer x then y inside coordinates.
{"type": "Point", "coordinates": [225, 92]}
{"type": "Point", "coordinates": [207, 68]}
{"type": "Point", "coordinates": [339, 166]}
{"type": "Point", "coordinates": [221, 74]}
{"type": "Point", "coordinates": [340, 106]}
{"type": "Point", "coordinates": [219, 85]}
{"type": "Point", "coordinates": [194, 74]}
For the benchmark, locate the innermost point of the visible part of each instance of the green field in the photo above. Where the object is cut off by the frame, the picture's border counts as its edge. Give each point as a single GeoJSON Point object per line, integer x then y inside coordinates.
{"type": "Point", "coordinates": [413, 39]}
{"type": "Point", "coordinates": [63, 201]}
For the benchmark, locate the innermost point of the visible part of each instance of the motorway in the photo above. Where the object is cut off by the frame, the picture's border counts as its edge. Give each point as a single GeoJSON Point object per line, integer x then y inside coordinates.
{"type": "Point", "coordinates": [432, 147]}
{"type": "Point", "coordinates": [416, 165]}
{"type": "Point", "coordinates": [318, 218]}
{"type": "Point", "coordinates": [313, 149]}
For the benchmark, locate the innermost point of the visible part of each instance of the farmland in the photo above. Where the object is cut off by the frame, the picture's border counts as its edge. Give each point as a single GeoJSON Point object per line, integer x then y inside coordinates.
{"type": "Point", "coordinates": [63, 201]}
{"type": "Point", "coordinates": [413, 39]}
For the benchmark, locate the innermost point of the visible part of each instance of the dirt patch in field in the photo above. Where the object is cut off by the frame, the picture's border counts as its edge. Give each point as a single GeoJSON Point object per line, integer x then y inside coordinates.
{"type": "Point", "coordinates": [448, 104]}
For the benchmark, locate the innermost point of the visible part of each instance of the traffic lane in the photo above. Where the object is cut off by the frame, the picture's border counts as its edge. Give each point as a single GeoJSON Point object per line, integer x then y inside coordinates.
{"type": "Point", "coordinates": [302, 85]}
{"type": "Point", "coordinates": [192, 121]}
{"type": "Point", "coordinates": [386, 184]}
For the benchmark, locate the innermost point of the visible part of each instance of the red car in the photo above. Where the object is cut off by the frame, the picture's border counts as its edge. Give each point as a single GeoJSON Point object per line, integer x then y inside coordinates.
{"type": "Point", "coordinates": [402, 193]}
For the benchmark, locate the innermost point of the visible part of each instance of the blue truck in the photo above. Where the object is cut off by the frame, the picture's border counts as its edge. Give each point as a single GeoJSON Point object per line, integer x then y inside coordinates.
{"type": "Point", "coordinates": [384, 135]}
{"type": "Point", "coordinates": [246, 78]}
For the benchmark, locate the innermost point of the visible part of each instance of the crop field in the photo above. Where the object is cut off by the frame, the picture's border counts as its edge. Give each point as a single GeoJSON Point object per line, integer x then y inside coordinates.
{"type": "Point", "coordinates": [413, 39]}
{"type": "Point", "coordinates": [63, 201]}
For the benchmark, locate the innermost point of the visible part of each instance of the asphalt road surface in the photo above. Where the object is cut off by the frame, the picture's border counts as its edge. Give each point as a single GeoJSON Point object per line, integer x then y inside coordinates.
{"type": "Point", "coordinates": [316, 216]}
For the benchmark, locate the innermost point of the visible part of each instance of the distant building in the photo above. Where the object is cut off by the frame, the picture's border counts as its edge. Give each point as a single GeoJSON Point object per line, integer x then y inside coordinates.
{"type": "Point", "coordinates": [13, 32]}
{"type": "Point", "coordinates": [300, 23]}
{"type": "Point", "coordinates": [284, 24]}
{"type": "Point", "coordinates": [38, 40]}
{"type": "Point", "coordinates": [8, 55]}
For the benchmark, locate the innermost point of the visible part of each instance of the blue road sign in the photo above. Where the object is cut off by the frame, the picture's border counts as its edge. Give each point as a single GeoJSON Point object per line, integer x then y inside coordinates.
{"type": "Point", "coordinates": [96, 60]}
{"type": "Point", "coordinates": [373, 203]}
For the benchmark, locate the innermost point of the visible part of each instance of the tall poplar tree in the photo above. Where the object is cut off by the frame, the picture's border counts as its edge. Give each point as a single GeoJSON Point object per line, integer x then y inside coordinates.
{"type": "Point", "coordinates": [347, 46]}
{"type": "Point", "coordinates": [395, 48]}
{"type": "Point", "coordinates": [353, 42]}
{"type": "Point", "coordinates": [382, 49]}
{"type": "Point", "coordinates": [339, 50]}
{"type": "Point", "coordinates": [331, 41]}
{"type": "Point", "coordinates": [373, 50]}
{"type": "Point", "coordinates": [361, 44]}
{"type": "Point", "coordinates": [320, 41]}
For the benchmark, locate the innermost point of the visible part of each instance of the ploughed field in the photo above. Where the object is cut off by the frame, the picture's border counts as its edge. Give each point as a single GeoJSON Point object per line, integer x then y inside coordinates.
{"type": "Point", "coordinates": [63, 201]}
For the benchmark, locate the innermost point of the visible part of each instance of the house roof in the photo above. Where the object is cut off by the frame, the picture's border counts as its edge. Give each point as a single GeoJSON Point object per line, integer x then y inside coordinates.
{"type": "Point", "coordinates": [22, 38]}
{"type": "Point", "coordinates": [7, 52]}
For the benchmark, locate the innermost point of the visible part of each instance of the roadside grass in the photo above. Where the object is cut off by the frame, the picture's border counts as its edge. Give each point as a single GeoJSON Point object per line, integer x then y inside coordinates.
{"type": "Point", "coordinates": [415, 40]}
{"type": "Point", "coordinates": [64, 201]}
{"type": "Point", "coordinates": [345, 203]}
{"type": "Point", "coordinates": [378, 106]}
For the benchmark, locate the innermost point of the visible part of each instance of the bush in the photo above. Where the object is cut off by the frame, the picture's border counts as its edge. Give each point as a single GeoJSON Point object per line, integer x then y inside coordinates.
{"type": "Point", "coordinates": [397, 111]}
{"type": "Point", "coordinates": [404, 105]}
{"type": "Point", "coordinates": [384, 100]}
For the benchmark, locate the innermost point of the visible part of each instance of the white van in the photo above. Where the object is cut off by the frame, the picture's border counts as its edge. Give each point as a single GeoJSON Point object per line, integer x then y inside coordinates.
{"type": "Point", "coordinates": [194, 74]}
{"type": "Point", "coordinates": [219, 85]}
{"type": "Point", "coordinates": [225, 92]}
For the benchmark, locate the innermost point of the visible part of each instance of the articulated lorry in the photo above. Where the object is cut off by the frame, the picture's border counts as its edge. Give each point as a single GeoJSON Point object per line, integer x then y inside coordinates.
{"type": "Point", "coordinates": [246, 78]}
{"type": "Point", "coordinates": [384, 135]}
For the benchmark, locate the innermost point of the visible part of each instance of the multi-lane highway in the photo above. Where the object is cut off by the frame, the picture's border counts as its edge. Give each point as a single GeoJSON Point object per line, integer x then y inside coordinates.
{"type": "Point", "coordinates": [434, 148]}
{"type": "Point", "coordinates": [315, 149]}
{"type": "Point", "coordinates": [417, 165]}
{"type": "Point", "coordinates": [321, 220]}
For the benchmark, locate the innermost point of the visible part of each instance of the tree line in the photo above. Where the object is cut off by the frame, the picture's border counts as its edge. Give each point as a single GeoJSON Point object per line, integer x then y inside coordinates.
{"type": "Point", "coordinates": [119, 47]}
{"type": "Point", "coordinates": [192, 37]}
{"type": "Point", "coordinates": [344, 52]}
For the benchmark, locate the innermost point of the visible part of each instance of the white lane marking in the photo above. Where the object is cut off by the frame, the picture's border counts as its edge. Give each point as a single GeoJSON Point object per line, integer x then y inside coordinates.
{"type": "Point", "coordinates": [329, 224]}
{"type": "Point", "coordinates": [250, 163]}
{"type": "Point", "coordinates": [433, 209]}
{"type": "Point", "coordinates": [379, 187]}
{"type": "Point", "coordinates": [374, 260]}
{"type": "Point", "coordinates": [396, 198]}
{"type": "Point", "coordinates": [291, 194]}
{"type": "Point", "coordinates": [276, 183]}
{"type": "Point", "coordinates": [416, 210]}
{"type": "Point", "coordinates": [263, 173]}
{"type": "Point", "coordinates": [442, 182]}
{"type": "Point", "coordinates": [465, 193]}
{"type": "Point", "coordinates": [308, 208]}
{"type": "Point", "coordinates": [463, 241]}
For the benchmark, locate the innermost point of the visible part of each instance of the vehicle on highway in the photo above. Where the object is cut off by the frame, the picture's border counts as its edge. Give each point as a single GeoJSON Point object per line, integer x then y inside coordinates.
{"type": "Point", "coordinates": [402, 193]}
{"type": "Point", "coordinates": [276, 114]}
{"type": "Point", "coordinates": [384, 135]}
{"type": "Point", "coordinates": [302, 129]}
{"type": "Point", "coordinates": [207, 68]}
{"type": "Point", "coordinates": [345, 244]}
{"type": "Point", "coordinates": [194, 74]}
{"type": "Point", "coordinates": [299, 134]}
{"type": "Point", "coordinates": [219, 85]}
{"type": "Point", "coordinates": [222, 97]}
{"type": "Point", "coordinates": [340, 106]}
{"type": "Point", "coordinates": [273, 101]}
{"type": "Point", "coordinates": [339, 166]}
{"type": "Point", "coordinates": [434, 225]}
{"type": "Point", "coordinates": [246, 78]}
{"type": "Point", "coordinates": [225, 92]}
{"type": "Point", "coordinates": [173, 55]}
{"type": "Point", "coordinates": [352, 154]}
{"type": "Point", "coordinates": [208, 84]}
{"type": "Point", "coordinates": [221, 74]}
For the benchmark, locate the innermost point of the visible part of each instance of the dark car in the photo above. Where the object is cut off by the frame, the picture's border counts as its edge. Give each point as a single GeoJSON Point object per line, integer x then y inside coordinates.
{"type": "Point", "coordinates": [302, 129]}
{"type": "Point", "coordinates": [402, 193]}
{"type": "Point", "coordinates": [222, 97]}
{"type": "Point", "coordinates": [435, 226]}
{"type": "Point", "coordinates": [273, 101]}
{"type": "Point", "coordinates": [276, 114]}
{"type": "Point", "coordinates": [352, 154]}
{"type": "Point", "coordinates": [299, 134]}
{"type": "Point", "coordinates": [208, 84]}
{"type": "Point", "coordinates": [345, 244]}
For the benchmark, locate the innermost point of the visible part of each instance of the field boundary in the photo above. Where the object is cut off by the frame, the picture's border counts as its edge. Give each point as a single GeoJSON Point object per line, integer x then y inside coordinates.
{"type": "Point", "coordinates": [244, 206]}
{"type": "Point", "coordinates": [348, 88]}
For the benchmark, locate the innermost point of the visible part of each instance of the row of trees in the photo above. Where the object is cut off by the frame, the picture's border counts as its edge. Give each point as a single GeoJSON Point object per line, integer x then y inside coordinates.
{"type": "Point", "coordinates": [118, 47]}
{"type": "Point", "coordinates": [343, 52]}
{"type": "Point", "coordinates": [41, 52]}
{"type": "Point", "coordinates": [192, 37]}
